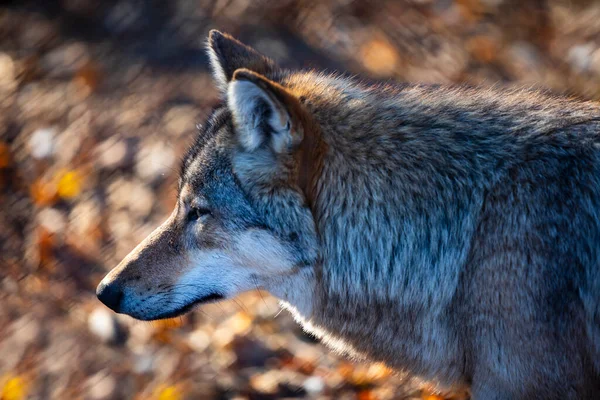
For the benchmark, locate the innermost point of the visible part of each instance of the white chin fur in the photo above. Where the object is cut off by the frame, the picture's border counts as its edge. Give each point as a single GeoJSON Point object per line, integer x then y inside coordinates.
{"type": "Point", "coordinates": [252, 258]}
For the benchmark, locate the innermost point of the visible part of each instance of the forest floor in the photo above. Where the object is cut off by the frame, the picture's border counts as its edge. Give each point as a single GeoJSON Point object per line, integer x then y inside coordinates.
{"type": "Point", "coordinates": [98, 102]}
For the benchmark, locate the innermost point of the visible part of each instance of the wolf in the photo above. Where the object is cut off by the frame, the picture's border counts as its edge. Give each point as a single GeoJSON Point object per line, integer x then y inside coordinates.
{"type": "Point", "coordinates": [449, 232]}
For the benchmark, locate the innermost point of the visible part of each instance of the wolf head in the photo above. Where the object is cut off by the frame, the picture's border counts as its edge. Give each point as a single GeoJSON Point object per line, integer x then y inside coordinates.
{"type": "Point", "coordinates": [242, 219]}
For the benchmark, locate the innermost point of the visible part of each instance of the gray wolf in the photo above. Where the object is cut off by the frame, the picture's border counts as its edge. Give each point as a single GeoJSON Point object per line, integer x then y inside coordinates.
{"type": "Point", "coordinates": [450, 232]}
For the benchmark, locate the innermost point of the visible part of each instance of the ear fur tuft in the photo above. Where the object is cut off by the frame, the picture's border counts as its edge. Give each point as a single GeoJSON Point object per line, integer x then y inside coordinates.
{"type": "Point", "coordinates": [227, 54]}
{"type": "Point", "coordinates": [263, 112]}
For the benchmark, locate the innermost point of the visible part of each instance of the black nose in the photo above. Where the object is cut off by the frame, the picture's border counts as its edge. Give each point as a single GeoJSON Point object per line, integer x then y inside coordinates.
{"type": "Point", "coordinates": [110, 294]}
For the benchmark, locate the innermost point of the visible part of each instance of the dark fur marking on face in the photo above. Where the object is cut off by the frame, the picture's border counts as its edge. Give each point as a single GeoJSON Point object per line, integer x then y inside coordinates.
{"type": "Point", "coordinates": [218, 118]}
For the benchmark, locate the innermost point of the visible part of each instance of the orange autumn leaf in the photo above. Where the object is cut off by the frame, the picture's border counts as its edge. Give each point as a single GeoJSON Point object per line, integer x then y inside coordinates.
{"type": "Point", "coordinates": [4, 155]}
{"type": "Point", "coordinates": [483, 48]}
{"type": "Point", "coordinates": [429, 396]}
{"type": "Point", "coordinates": [15, 388]}
{"type": "Point", "coordinates": [380, 57]}
{"type": "Point", "coordinates": [362, 374]}
{"type": "Point", "coordinates": [241, 322]}
{"type": "Point", "coordinates": [471, 10]}
{"type": "Point", "coordinates": [305, 367]}
{"type": "Point", "coordinates": [168, 393]}
{"type": "Point", "coordinates": [87, 78]}
{"type": "Point", "coordinates": [345, 369]}
{"type": "Point", "coordinates": [45, 246]}
{"type": "Point", "coordinates": [163, 336]}
{"type": "Point", "coordinates": [366, 395]}
{"type": "Point", "coordinates": [378, 371]}
{"type": "Point", "coordinates": [43, 193]}
{"type": "Point", "coordinates": [69, 184]}
{"type": "Point", "coordinates": [166, 324]}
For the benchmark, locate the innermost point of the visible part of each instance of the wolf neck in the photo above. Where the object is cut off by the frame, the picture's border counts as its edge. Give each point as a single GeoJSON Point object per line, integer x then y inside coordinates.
{"type": "Point", "coordinates": [296, 290]}
{"type": "Point", "coordinates": [376, 191]}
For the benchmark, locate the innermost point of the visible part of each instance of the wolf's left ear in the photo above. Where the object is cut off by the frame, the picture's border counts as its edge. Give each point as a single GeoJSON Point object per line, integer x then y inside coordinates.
{"type": "Point", "coordinates": [228, 54]}
{"type": "Point", "coordinates": [264, 113]}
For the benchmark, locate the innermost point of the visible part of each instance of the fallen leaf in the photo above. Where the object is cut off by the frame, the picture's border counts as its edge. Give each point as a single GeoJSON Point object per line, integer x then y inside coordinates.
{"type": "Point", "coordinates": [429, 396]}
{"type": "Point", "coordinates": [46, 243]}
{"type": "Point", "coordinates": [168, 393]}
{"type": "Point", "coordinates": [15, 388]}
{"type": "Point", "coordinates": [87, 79]}
{"type": "Point", "coordinates": [365, 395]}
{"type": "Point", "coordinates": [69, 184]}
{"type": "Point", "coordinates": [4, 155]}
{"type": "Point", "coordinates": [483, 49]}
{"type": "Point", "coordinates": [166, 324]}
{"type": "Point", "coordinates": [43, 192]}
{"type": "Point", "coordinates": [362, 374]}
{"type": "Point", "coordinates": [471, 10]}
{"type": "Point", "coordinates": [380, 57]}
{"type": "Point", "coordinates": [241, 322]}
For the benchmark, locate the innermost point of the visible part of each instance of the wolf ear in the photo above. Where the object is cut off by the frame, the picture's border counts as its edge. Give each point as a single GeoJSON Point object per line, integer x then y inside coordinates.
{"type": "Point", "coordinates": [228, 54]}
{"type": "Point", "coordinates": [264, 113]}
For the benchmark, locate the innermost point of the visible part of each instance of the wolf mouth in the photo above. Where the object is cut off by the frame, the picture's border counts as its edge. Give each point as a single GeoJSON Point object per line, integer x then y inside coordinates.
{"type": "Point", "coordinates": [182, 310]}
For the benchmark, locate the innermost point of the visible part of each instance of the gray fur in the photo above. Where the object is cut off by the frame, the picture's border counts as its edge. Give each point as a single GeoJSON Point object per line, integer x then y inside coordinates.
{"type": "Point", "coordinates": [453, 233]}
{"type": "Point", "coordinates": [460, 234]}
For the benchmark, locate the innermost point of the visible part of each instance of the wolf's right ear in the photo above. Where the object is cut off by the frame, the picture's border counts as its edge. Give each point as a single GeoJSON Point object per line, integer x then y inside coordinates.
{"type": "Point", "coordinates": [264, 113]}
{"type": "Point", "coordinates": [228, 54]}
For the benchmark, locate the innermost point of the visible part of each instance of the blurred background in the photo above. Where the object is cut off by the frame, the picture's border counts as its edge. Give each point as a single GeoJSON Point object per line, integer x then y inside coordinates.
{"type": "Point", "coordinates": [98, 101]}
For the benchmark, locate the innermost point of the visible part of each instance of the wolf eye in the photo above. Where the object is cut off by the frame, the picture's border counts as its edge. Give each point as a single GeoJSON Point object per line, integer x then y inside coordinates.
{"type": "Point", "coordinates": [196, 213]}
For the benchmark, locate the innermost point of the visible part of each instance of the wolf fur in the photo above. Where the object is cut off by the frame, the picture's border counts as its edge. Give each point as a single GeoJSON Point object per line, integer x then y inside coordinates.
{"type": "Point", "coordinates": [450, 232]}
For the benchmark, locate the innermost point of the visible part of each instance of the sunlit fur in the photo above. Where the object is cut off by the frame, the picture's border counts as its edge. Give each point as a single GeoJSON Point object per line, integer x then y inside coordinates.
{"type": "Point", "coordinates": [453, 233]}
